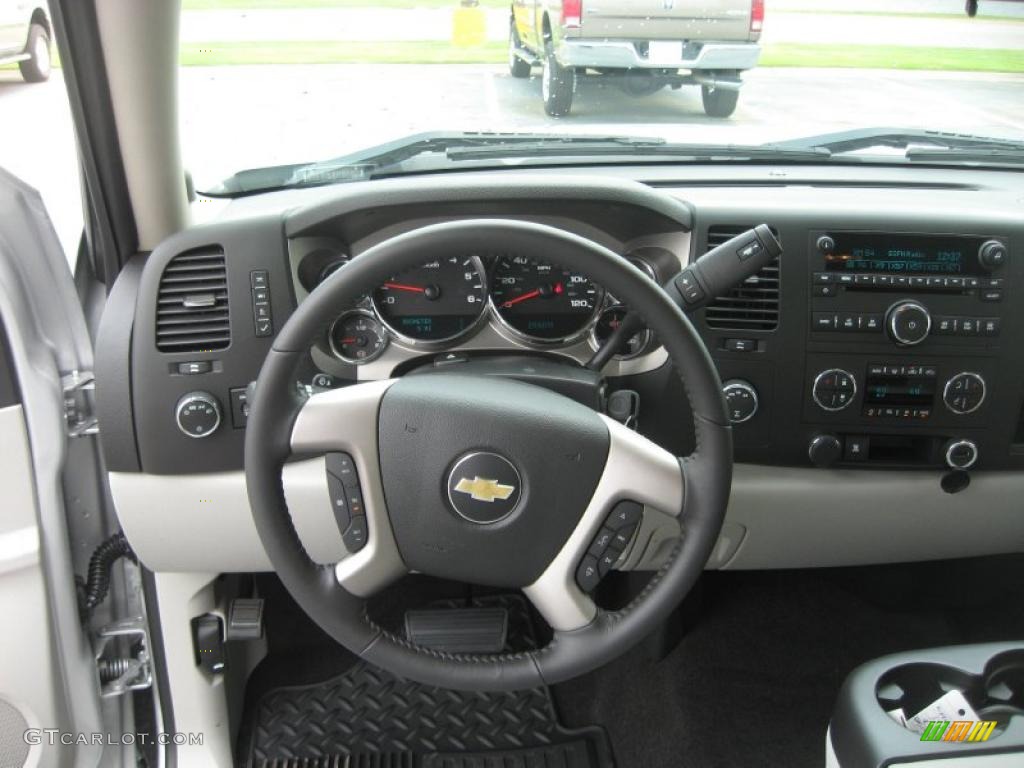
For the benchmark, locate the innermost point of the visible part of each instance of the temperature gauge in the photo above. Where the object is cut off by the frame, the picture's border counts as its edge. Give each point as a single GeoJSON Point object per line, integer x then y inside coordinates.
{"type": "Point", "coordinates": [607, 323]}
{"type": "Point", "coordinates": [358, 337]}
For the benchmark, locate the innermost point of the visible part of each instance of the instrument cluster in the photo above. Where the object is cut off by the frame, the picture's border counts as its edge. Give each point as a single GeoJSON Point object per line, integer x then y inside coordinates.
{"type": "Point", "coordinates": [441, 303]}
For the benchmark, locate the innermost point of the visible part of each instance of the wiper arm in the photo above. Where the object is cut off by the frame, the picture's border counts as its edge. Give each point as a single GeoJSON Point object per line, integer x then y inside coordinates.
{"type": "Point", "coordinates": [365, 163]}
{"type": "Point", "coordinates": [901, 138]}
{"type": "Point", "coordinates": [585, 146]}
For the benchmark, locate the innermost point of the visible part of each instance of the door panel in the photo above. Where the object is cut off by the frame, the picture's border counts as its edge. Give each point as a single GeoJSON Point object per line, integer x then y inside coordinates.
{"type": "Point", "coordinates": [47, 671]}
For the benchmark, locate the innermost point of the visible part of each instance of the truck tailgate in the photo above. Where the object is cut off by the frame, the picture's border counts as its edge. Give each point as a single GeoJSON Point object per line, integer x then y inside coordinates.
{"type": "Point", "coordinates": [666, 19]}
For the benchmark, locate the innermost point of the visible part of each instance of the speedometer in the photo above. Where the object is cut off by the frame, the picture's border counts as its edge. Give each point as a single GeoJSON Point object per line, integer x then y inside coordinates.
{"type": "Point", "coordinates": [435, 303]}
{"type": "Point", "coordinates": [543, 302]}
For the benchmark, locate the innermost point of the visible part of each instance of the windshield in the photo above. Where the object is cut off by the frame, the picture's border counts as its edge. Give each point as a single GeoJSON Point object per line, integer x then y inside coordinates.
{"type": "Point", "coordinates": [269, 83]}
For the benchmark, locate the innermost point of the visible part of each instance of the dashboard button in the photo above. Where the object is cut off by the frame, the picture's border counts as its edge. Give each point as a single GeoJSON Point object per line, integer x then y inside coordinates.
{"type": "Point", "coordinates": [964, 393]}
{"type": "Point", "coordinates": [195, 367]}
{"type": "Point", "coordinates": [198, 414]}
{"type": "Point", "coordinates": [989, 326]}
{"type": "Point", "coordinates": [968, 326]}
{"type": "Point", "coordinates": [857, 448]}
{"type": "Point", "coordinates": [871, 323]}
{"type": "Point", "coordinates": [823, 321]}
{"type": "Point", "coordinates": [845, 279]}
{"type": "Point", "coordinates": [945, 325]}
{"type": "Point", "coordinates": [908, 322]}
{"type": "Point", "coordinates": [824, 277]}
{"type": "Point", "coordinates": [991, 295]}
{"type": "Point", "coordinates": [826, 291]}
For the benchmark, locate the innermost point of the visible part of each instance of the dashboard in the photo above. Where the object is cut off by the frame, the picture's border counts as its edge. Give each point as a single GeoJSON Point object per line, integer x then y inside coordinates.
{"type": "Point", "coordinates": [873, 373]}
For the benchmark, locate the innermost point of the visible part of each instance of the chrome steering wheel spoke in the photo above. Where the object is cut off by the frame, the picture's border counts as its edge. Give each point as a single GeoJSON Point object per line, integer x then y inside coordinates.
{"type": "Point", "coordinates": [344, 420]}
{"type": "Point", "coordinates": [638, 473]}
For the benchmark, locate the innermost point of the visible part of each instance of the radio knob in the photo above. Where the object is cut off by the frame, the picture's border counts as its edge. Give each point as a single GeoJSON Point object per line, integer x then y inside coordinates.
{"type": "Point", "coordinates": [825, 450]}
{"type": "Point", "coordinates": [826, 245]}
{"type": "Point", "coordinates": [964, 393]}
{"type": "Point", "coordinates": [908, 323]}
{"type": "Point", "coordinates": [960, 454]}
{"type": "Point", "coordinates": [992, 254]}
{"type": "Point", "coordinates": [740, 400]}
{"type": "Point", "coordinates": [198, 414]}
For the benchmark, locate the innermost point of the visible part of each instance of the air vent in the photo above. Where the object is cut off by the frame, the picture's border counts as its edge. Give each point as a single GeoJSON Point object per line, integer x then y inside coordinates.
{"type": "Point", "coordinates": [751, 306]}
{"type": "Point", "coordinates": [192, 304]}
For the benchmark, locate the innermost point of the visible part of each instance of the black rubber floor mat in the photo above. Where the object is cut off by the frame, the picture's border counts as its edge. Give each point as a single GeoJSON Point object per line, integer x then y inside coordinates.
{"type": "Point", "coordinates": [366, 717]}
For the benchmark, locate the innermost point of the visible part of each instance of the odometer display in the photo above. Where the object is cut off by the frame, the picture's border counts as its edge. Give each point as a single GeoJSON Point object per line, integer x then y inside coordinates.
{"type": "Point", "coordinates": [541, 301]}
{"type": "Point", "coordinates": [437, 302]}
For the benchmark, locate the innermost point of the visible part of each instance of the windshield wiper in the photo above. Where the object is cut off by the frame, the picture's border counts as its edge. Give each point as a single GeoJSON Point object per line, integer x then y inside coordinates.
{"type": "Point", "coordinates": [434, 151]}
{"type": "Point", "coordinates": [917, 144]}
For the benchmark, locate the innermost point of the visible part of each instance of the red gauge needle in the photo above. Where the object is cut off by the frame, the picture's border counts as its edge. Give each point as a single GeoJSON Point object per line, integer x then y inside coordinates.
{"type": "Point", "coordinates": [524, 297]}
{"type": "Point", "coordinates": [404, 287]}
{"type": "Point", "coordinates": [349, 341]}
{"type": "Point", "coordinates": [557, 288]}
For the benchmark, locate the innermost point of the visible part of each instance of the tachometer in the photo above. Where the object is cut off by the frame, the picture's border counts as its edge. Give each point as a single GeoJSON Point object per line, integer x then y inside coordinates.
{"type": "Point", "coordinates": [437, 302]}
{"type": "Point", "coordinates": [543, 302]}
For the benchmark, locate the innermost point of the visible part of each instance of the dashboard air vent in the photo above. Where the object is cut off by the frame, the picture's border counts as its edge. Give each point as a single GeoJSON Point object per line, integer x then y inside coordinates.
{"type": "Point", "coordinates": [192, 303]}
{"type": "Point", "coordinates": [751, 306]}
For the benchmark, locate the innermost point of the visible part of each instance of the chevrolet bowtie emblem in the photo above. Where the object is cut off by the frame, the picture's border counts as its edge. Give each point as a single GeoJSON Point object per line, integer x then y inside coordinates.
{"type": "Point", "coordinates": [484, 489]}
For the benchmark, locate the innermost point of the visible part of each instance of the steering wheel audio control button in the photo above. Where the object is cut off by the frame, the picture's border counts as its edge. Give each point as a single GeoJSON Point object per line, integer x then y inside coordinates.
{"type": "Point", "coordinates": [626, 513]}
{"type": "Point", "coordinates": [604, 538]}
{"type": "Point", "coordinates": [588, 575]}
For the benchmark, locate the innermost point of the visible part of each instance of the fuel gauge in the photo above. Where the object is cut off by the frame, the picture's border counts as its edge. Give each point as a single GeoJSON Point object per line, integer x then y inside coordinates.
{"type": "Point", "coordinates": [358, 337]}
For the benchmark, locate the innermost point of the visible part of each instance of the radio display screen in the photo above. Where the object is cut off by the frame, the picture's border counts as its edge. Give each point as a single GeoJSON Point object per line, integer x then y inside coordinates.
{"type": "Point", "coordinates": [902, 386]}
{"type": "Point", "coordinates": [904, 254]}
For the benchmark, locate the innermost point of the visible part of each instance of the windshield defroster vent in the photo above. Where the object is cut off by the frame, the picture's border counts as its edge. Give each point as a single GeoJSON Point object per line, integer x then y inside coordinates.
{"type": "Point", "coordinates": [751, 306]}
{"type": "Point", "coordinates": [192, 303]}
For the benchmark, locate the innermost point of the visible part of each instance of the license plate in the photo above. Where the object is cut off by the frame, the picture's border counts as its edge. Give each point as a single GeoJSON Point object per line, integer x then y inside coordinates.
{"type": "Point", "coordinates": [664, 52]}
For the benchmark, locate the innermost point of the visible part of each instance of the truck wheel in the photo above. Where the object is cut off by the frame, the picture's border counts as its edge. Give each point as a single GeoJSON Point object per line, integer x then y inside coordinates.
{"type": "Point", "coordinates": [972, 8]}
{"type": "Point", "coordinates": [37, 68]}
{"type": "Point", "coordinates": [557, 84]}
{"type": "Point", "coordinates": [517, 67]}
{"type": "Point", "coordinates": [719, 102]}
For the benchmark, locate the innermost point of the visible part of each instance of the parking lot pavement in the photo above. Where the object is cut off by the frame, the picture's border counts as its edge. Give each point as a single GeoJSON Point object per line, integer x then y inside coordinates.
{"type": "Point", "coordinates": [302, 113]}
{"type": "Point", "coordinates": [243, 117]}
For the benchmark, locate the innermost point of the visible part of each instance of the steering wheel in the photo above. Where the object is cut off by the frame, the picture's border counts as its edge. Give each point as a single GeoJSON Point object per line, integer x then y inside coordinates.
{"type": "Point", "coordinates": [484, 479]}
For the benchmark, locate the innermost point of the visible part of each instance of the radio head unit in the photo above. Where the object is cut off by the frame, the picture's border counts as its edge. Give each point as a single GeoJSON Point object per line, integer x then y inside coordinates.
{"type": "Point", "coordinates": [905, 254]}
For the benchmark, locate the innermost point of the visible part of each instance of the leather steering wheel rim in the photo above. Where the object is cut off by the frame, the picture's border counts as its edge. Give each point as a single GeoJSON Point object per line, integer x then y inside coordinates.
{"type": "Point", "coordinates": [706, 473]}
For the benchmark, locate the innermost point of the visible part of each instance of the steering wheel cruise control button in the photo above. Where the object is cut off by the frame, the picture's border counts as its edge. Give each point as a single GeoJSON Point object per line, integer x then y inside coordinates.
{"type": "Point", "coordinates": [346, 500]}
{"type": "Point", "coordinates": [355, 535]}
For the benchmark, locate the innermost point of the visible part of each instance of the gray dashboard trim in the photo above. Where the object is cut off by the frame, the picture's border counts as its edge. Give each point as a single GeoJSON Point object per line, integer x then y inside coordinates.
{"type": "Point", "coordinates": [777, 518]}
{"type": "Point", "coordinates": [462, 187]}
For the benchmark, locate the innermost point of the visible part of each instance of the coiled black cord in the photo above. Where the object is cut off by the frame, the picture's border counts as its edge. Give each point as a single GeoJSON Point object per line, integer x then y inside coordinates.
{"type": "Point", "coordinates": [97, 583]}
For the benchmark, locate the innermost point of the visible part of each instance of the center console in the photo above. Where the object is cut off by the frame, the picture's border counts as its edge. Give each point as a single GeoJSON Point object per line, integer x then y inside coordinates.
{"type": "Point", "coordinates": [893, 349]}
{"type": "Point", "coordinates": [902, 341]}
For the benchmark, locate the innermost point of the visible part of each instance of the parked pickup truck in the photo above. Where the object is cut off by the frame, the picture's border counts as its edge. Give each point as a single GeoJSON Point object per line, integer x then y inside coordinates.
{"type": "Point", "coordinates": [25, 37]}
{"type": "Point", "coordinates": [644, 44]}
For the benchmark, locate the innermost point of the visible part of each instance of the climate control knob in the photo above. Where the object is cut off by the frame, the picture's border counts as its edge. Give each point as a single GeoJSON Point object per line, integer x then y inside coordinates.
{"type": "Point", "coordinates": [908, 322]}
{"type": "Point", "coordinates": [834, 389]}
{"type": "Point", "coordinates": [198, 414]}
{"type": "Point", "coordinates": [825, 450]}
{"type": "Point", "coordinates": [740, 400]}
{"type": "Point", "coordinates": [960, 454]}
{"type": "Point", "coordinates": [964, 393]}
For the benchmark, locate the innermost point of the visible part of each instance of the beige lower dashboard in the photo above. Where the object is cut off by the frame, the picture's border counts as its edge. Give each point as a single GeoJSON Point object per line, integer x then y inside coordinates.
{"type": "Point", "coordinates": [778, 518]}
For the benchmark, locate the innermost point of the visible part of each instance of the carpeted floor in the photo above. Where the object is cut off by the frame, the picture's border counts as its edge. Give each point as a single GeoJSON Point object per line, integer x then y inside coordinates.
{"type": "Point", "coordinates": [753, 683]}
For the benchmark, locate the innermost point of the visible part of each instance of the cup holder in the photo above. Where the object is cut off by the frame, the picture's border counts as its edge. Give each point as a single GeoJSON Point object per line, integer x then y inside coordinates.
{"type": "Point", "coordinates": [995, 694]}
